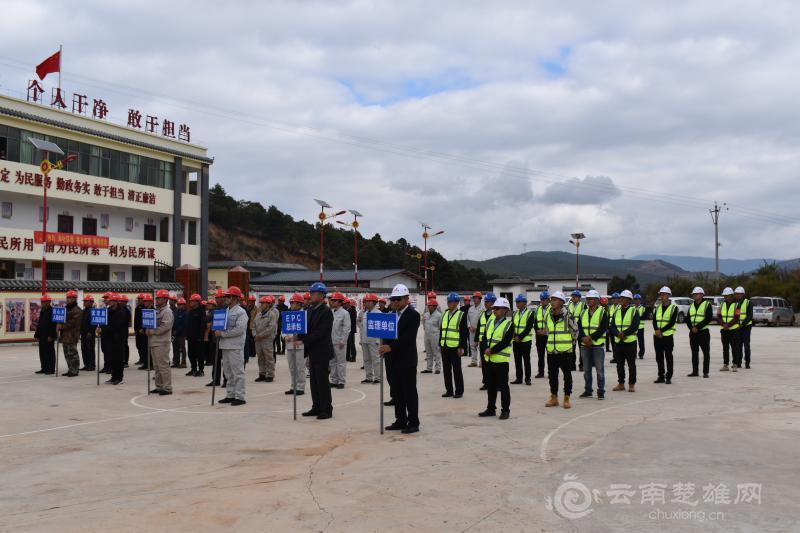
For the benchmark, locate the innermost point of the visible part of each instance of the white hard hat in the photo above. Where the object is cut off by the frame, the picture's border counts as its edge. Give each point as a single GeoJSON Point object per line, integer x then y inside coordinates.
{"type": "Point", "coordinates": [739, 290]}
{"type": "Point", "coordinates": [559, 295]}
{"type": "Point", "coordinates": [399, 291]}
{"type": "Point", "coordinates": [626, 294]}
{"type": "Point", "coordinates": [665, 289]}
{"type": "Point", "coordinates": [698, 290]}
{"type": "Point", "coordinates": [502, 302]}
{"type": "Point", "coordinates": [593, 294]}
{"type": "Point", "coordinates": [727, 291]}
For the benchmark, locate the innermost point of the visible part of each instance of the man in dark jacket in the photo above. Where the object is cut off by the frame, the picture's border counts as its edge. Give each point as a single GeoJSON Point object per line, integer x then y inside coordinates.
{"type": "Point", "coordinates": [195, 331]}
{"type": "Point", "coordinates": [115, 335]}
{"type": "Point", "coordinates": [403, 351]}
{"type": "Point", "coordinates": [319, 350]}
{"type": "Point", "coordinates": [349, 305]}
{"type": "Point", "coordinates": [140, 333]}
{"type": "Point", "coordinates": [70, 334]}
{"type": "Point", "coordinates": [46, 335]}
{"type": "Point", "coordinates": [179, 335]}
{"type": "Point", "coordinates": [87, 334]}
{"type": "Point", "coordinates": [279, 347]}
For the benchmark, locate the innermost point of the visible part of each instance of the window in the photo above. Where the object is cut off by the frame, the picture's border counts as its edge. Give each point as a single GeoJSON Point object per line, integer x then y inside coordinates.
{"type": "Point", "coordinates": [7, 209]}
{"type": "Point", "coordinates": [3, 144]}
{"type": "Point", "coordinates": [163, 230]}
{"type": "Point", "coordinates": [104, 221]}
{"type": "Point", "coordinates": [64, 223]}
{"type": "Point", "coordinates": [75, 275]}
{"type": "Point", "coordinates": [140, 274]}
{"type": "Point", "coordinates": [118, 276]}
{"type": "Point", "coordinates": [192, 232]}
{"type": "Point", "coordinates": [128, 223]}
{"type": "Point", "coordinates": [41, 210]}
{"type": "Point", "coordinates": [89, 226]}
{"type": "Point", "coordinates": [7, 270]}
{"type": "Point", "coordinates": [97, 272]}
{"type": "Point", "coordinates": [192, 186]}
{"type": "Point", "coordinates": [55, 271]}
{"type": "Point", "coordinates": [150, 232]}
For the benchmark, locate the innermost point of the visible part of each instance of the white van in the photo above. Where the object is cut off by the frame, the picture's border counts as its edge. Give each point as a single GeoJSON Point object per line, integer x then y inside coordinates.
{"type": "Point", "coordinates": [772, 311]}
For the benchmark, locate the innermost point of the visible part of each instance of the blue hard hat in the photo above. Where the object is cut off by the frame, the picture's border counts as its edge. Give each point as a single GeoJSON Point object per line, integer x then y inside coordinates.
{"type": "Point", "coordinates": [576, 292]}
{"type": "Point", "coordinates": [490, 297]}
{"type": "Point", "coordinates": [521, 298]}
{"type": "Point", "coordinates": [615, 295]}
{"type": "Point", "coordinates": [318, 287]}
{"type": "Point", "coordinates": [637, 296]}
{"type": "Point", "coordinates": [453, 297]}
{"type": "Point", "coordinates": [544, 295]}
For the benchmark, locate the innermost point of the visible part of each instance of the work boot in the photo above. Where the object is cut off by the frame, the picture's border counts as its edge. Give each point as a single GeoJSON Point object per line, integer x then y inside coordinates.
{"type": "Point", "coordinates": [552, 402]}
{"type": "Point", "coordinates": [516, 382]}
{"type": "Point", "coordinates": [567, 405]}
{"type": "Point", "coordinates": [659, 380]}
{"type": "Point", "coordinates": [668, 382]}
{"type": "Point", "coordinates": [724, 368]}
{"type": "Point", "coordinates": [261, 377]}
{"type": "Point", "coordinates": [426, 371]}
{"type": "Point", "coordinates": [504, 415]}
{"type": "Point", "coordinates": [586, 394]}
{"type": "Point", "coordinates": [620, 386]}
{"type": "Point", "coordinates": [472, 365]}
{"type": "Point", "coordinates": [734, 368]}
{"type": "Point", "coordinates": [488, 412]}
{"type": "Point", "coordinates": [190, 373]}
{"type": "Point", "coordinates": [631, 388]}
{"type": "Point", "coordinates": [692, 375]}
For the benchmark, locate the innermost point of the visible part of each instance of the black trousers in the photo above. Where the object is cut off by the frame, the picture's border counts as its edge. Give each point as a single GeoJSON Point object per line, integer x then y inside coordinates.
{"type": "Point", "coordinates": [560, 361]}
{"type": "Point", "coordinates": [387, 361]}
{"type": "Point", "coordinates": [700, 341]}
{"type": "Point", "coordinates": [217, 364]}
{"type": "Point", "coordinates": [115, 359]}
{"type": "Point", "coordinates": [141, 348]}
{"type": "Point", "coordinates": [625, 352]}
{"type": "Point", "coordinates": [731, 342]}
{"type": "Point", "coordinates": [350, 355]}
{"type": "Point", "coordinates": [744, 335]}
{"type": "Point", "coordinates": [406, 403]}
{"type": "Point", "coordinates": [451, 365]}
{"type": "Point", "coordinates": [196, 355]}
{"type": "Point", "coordinates": [522, 359]}
{"type": "Point", "coordinates": [279, 345]}
{"type": "Point", "coordinates": [640, 342]}
{"type": "Point", "coordinates": [87, 351]}
{"type": "Point", "coordinates": [104, 349]}
{"type": "Point", "coordinates": [663, 347]}
{"type": "Point", "coordinates": [498, 381]}
{"type": "Point", "coordinates": [541, 352]}
{"type": "Point", "coordinates": [321, 401]}
{"type": "Point", "coordinates": [178, 350]}
{"type": "Point", "coordinates": [484, 374]}
{"type": "Point", "coordinates": [613, 350]}
{"type": "Point", "coordinates": [126, 351]}
{"type": "Point", "coordinates": [47, 355]}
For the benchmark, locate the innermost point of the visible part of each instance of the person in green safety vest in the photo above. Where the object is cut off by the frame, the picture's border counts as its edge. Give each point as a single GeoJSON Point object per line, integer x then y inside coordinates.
{"type": "Point", "coordinates": [592, 327]}
{"type": "Point", "coordinates": [698, 318]}
{"type": "Point", "coordinates": [523, 326]}
{"type": "Point", "coordinates": [575, 307]}
{"type": "Point", "coordinates": [453, 339]}
{"type": "Point", "coordinates": [539, 317]}
{"type": "Point", "coordinates": [665, 318]}
{"type": "Point", "coordinates": [480, 333]}
{"type": "Point", "coordinates": [561, 331]}
{"type": "Point", "coordinates": [641, 309]}
{"type": "Point", "coordinates": [624, 325]}
{"type": "Point", "coordinates": [729, 319]}
{"type": "Point", "coordinates": [611, 339]}
{"type": "Point", "coordinates": [499, 334]}
{"type": "Point", "coordinates": [745, 323]}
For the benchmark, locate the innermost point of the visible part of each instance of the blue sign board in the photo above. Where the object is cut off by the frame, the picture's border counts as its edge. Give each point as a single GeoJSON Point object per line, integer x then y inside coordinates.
{"type": "Point", "coordinates": [294, 322]}
{"type": "Point", "coordinates": [219, 320]}
{"type": "Point", "coordinates": [148, 319]}
{"type": "Point", "coordinates": [59, 315]}
{"type": "Point", "coordinates": [98, 316]}
{"type": "Point", "coordinates": [382, 325]}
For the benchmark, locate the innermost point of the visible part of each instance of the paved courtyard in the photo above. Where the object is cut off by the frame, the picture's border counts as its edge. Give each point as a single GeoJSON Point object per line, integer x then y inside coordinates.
{"type": "Point", "coordinates": [718, 454]}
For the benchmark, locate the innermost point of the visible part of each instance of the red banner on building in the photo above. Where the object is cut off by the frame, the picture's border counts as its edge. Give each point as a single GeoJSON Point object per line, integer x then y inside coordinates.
{"type": "Point", "coordinates": [71, 239]}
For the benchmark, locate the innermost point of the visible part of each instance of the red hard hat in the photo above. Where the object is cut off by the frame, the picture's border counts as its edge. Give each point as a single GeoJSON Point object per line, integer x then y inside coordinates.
{"type": "Point", "coordinates": [88, 298]}
{"type": "Point", "coordinates": [281, 298]}
{"type": "Point", "coordinates": [107, 295]}
{"type": "Point", "coordinates": [233, 290]}
{"type": "Point", "coordinates": [337, 296]}
{"type": "Point", "coordinates": [196, 298]}
{"type": "Point", "coordinates": [173, 296]}
{"type": "Point", "coordinates": [431, 294]}
{"type": "Point", "coordinates": [267, 300]}
{"type": "Point", "coordinates": [307, 296]}
{"type": "Point", "coordinates": [72, 294]}
{"type": "Point", "coordinates": [203, 302]}
{"type": "Point", "coordinates": [603, 300]}
{"type": "Point", "coordinates": [148, 298]}
{"type": "Point", "coordinates": [432, 301]}
{"type": "Point", "coordinates": [122, 297]}
{"type": "Point", "coordinates": [140, 296]}
{"type": "Point", "coordinates": [46, 298]}
{"type": "Point", "coordinates": [371, 298]}
{"type": "Point", "coordinates": [477, 294]}
{"type": "Point", "coordinates": [381, 300]}
{"type": "Point", "coordinates": [252, 297]}
{"type": "Point", "coordinates": [219, 294]}
{"type": "Point", "coordinates": [162, 293]}
{"type": "Point", "coordinates": [181, 301]}
{"type": "Point", "coordinates": [466, 298]}
{"type": "Point", "coordinates": [296, 298]}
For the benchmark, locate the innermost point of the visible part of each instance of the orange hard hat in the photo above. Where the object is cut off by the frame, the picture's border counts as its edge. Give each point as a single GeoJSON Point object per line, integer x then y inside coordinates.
{"type": "Point", "coordinates": [72, 294]}
{"type": "Point", "coordinates": [296, 298]}
{"type": "Point", "coordinates": [88, 298]}
{"type": "Point", "coordinates": [148, 298]}
{"type": "Point", "coordinates": [162, 293]}
{"type": "Point", "coordinates": [196, 298]}
{"type": "Point", "coordinates": [233, 290]}
{"type": "Point", "coordinates": [337, 296]}
{"type": "Point", "coordinates": [181, 301]}
{"type": "Point", "coordinates": [477, 294]}
{"type": "Point", "coordinates": [466, 298]}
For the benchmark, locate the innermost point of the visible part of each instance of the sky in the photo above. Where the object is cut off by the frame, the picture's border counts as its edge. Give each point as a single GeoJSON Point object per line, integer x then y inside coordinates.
{"type": "Point", "coordinates": [509, 125]}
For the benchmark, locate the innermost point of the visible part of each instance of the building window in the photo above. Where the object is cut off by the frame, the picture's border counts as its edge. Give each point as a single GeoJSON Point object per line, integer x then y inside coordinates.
{"type": "Point", "coordinates": [7, 270]}
{"type": "Point", "coordinates": [64, 223]}
{"type": "Point", "coordinates": [97, 272]}
{"type": "Point", "coordinates": [3, 144]}
{"type": "Point", "coordinates": [140, 274]}
{"type": "Point", "coordinates": [75, 275]}
{"type": "Point", "coordinates": [89, 226]}
{"type": "Point", "coordinates": [104, 220]}
{"type": "Point", "coordinates": [118, 276]}
{"type": "Point", "coordinates": [192, 232]}
{"type": "Point", "coordinates": [55, 271]}
{"type": "Point", "coordinates": [150, 232]}
{"type": "Point", "coordinates": [128, 223]}
{"type": "Point", "coordinates": [7, 209]}
{"type": "Point", "coordinates": [163, 230]}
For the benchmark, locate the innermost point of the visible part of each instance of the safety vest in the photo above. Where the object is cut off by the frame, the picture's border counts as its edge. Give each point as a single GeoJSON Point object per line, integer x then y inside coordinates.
{"type": "Point", "coordinates": [743, 320]}
{"type": "Point", "coordinates": [640, 309]}
{"type": "Point", "coordinates": [590, 322]}
{"type": "Point", "coordinates": [623, 320]}
{"type": "Point", "coordinates": [728, 312]}
{"type": "Point", "coordinates": [485, 317]}
{"type": "Point", "coordinates": [494, 335]}
{"type": "Point", "coordinates": [662, 317]}
{"type": "Point", "coordinates": [520, 322]}
{"type": "Point", "coordinates": [559, 336]}
{"type": "Point", "coordinates": [575, 308]}
{"type": "Point", "coordinates": [450, 328]}
{"type": "Point", "coordinates": [697, 313]}
{"type": "Point", "coordinates": [541, 314]}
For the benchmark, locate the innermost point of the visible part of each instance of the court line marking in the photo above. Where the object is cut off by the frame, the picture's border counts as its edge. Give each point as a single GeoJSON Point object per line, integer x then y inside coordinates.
{"type": "Point", "coordinates": [44, 430]}
{"type": "Point", "coordinates": [19, 381]}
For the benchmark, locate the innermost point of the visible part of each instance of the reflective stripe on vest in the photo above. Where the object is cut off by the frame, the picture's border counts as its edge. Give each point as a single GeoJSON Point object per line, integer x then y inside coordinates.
{"type": "Point", "coordinates": [743, 320]}
{"type": "Point", "coordinates": [450, 328]}
{"type": "Point", "coordinates": [575, 308]}
{"type": "Point", "coordinates": [541, 315]}
{"type": "Point", "coordinates": [640, 309]}
{"type": "Point", "coordinates": [728, 312]}
{"type": "Point", "coordinates": [698, 313]}
{"type": "Point", "coordinates": [559, 336]}
{"type": "Point", "coordinates": [590, 322]}
{"type": "Point", "coordinates": [485, 317]}
{"type": "Point", "coordinates": [494, 335]}
{"type": "Point", "coordinates": [623, 320]}
{"type": "Point", "coordinates": [663, 317]}
{"type": "Point", "coordinates": [520, 322]}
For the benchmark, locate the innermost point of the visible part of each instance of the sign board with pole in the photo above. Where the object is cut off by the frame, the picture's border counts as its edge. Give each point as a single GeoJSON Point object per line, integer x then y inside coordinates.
{"type": "Point", "coordinates": [59, 316]}
{"type": "Point", "coordinates": [382, 326]}
{"type": "Point", "coordinates": [148, 322]}
{"type": "Point", "coordinates": [98, 316]}
{"type": "Point", "coordinates": [294, 322]}
{"type": "Point", "coordinates": [219, 322]}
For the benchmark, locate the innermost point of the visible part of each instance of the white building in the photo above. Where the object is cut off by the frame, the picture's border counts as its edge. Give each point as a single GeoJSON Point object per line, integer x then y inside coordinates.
{"type": "Point", "coordinates": [532, 287]}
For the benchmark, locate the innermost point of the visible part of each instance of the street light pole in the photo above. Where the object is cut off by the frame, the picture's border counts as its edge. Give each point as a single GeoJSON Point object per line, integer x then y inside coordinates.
{"type": "Point", "coordinates": [354, 225]}
{"type": "Point", "coordinates": [322, 218]}
{"type": "Point", "coordinates": [576, 240]}
{"type": "Point", "coordinates": [425, 237]}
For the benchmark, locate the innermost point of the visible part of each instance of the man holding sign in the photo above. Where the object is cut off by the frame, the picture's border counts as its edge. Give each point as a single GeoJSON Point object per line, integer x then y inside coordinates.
{"type": "Point", "coordinates": [160, 340]}
{"type": "Point", "coordinates": [295, 353]}
{"type": "Point", "coordinates": [231, 344]}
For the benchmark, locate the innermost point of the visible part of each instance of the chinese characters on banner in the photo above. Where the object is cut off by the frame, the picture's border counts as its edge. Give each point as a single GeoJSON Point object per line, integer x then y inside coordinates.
{"type": "Point", "coordinates": [57, 246]}
{"type": "Point", "coordinates": [99, 316]}
{"type": "Point", "coordinates": [59, 315]}
{"type": "Point", "coordinates": [71, 239]}
{"type": "Point", "coordinates": [219, 320]}
{"type": "Point", "coordinates": [148, 319]}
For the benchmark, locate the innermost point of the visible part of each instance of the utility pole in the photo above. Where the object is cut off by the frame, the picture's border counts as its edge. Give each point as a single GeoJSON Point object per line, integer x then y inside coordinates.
{"type": "Point", "coordinates": [715, 219]}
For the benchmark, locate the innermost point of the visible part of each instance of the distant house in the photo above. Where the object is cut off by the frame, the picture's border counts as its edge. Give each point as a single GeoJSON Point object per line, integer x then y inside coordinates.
{"type": "Point", "coordinates": [371, 279]}
{"type": "Point", "coordinates": [218, 270]}
{"type": "Point", "coordinates": [532, 287]}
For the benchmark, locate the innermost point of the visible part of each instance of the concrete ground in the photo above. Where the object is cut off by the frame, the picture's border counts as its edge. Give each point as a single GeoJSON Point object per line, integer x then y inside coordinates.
{"type": "Point", "coordinates": [77, 457]}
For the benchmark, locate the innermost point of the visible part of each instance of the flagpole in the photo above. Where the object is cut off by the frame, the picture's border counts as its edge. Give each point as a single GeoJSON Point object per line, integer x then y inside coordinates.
{"type": "Point", "coordinates": [60, 58]}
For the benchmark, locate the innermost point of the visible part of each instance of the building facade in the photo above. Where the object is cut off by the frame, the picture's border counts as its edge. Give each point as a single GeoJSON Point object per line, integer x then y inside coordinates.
{"type": "Point", "coordinates": [532, 287]}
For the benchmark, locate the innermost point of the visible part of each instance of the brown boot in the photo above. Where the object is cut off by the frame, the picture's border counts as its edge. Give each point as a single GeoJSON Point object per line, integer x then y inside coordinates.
{"type": "Point", "coordinates": [567, 405]}
{"type": "Point", "coordinates": [620, 386]}
{"type": "Point", "coordinates": [631, 388]}
{"type": "Point", "coordinates": [552, 402]}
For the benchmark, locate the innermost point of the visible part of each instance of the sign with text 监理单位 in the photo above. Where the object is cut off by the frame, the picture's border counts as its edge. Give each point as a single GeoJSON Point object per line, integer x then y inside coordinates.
{"type": "Point", "coordinates": [382, 325]}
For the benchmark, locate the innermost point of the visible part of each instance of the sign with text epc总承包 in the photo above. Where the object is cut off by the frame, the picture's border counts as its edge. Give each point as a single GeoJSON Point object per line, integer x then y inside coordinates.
{"type": "Point", "coordinates": [148, 319]}
{"type": "Point", "coordinates": [59, 315]}
{"type": "Point", "coordinates": [382, 325]}
{"type": "Point", "coordinates": [98, 316]}
{"type": "Point", "coordinates": [219, 320]}
{"type": "Point", "coordinates": [294, 322]}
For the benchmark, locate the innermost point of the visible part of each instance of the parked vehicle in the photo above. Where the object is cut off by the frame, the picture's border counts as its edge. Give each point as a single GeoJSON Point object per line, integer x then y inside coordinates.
{"type": "Point", "coordinates": [772, 311]}
{"type": "Point", "coordinates": [683, 306]}
{"type": "Point", "coordinates": [716, 302]}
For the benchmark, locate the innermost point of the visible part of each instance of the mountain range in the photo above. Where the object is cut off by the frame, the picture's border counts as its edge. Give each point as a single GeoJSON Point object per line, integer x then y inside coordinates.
{"type": "Point", "coordinates": [730, 267]}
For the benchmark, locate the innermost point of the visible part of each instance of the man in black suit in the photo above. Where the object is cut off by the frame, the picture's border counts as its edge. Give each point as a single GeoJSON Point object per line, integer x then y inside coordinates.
{"type": "Point", "coordinates": [403, 353]}
{"type": "Point", "coordinates": [319, 350]}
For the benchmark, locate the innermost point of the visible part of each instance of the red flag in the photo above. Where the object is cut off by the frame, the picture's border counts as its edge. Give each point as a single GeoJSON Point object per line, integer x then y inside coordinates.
{"type": "Point", "coordinates": [51, 64]}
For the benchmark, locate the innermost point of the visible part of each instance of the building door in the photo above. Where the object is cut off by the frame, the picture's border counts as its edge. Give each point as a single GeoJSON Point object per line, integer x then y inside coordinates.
{"type": "Point", "coordinates": [64, 223]}
{"type": "Point", "coordinates": [90, 226]}
{"type": "Point", "coordinates": [150, 232]}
